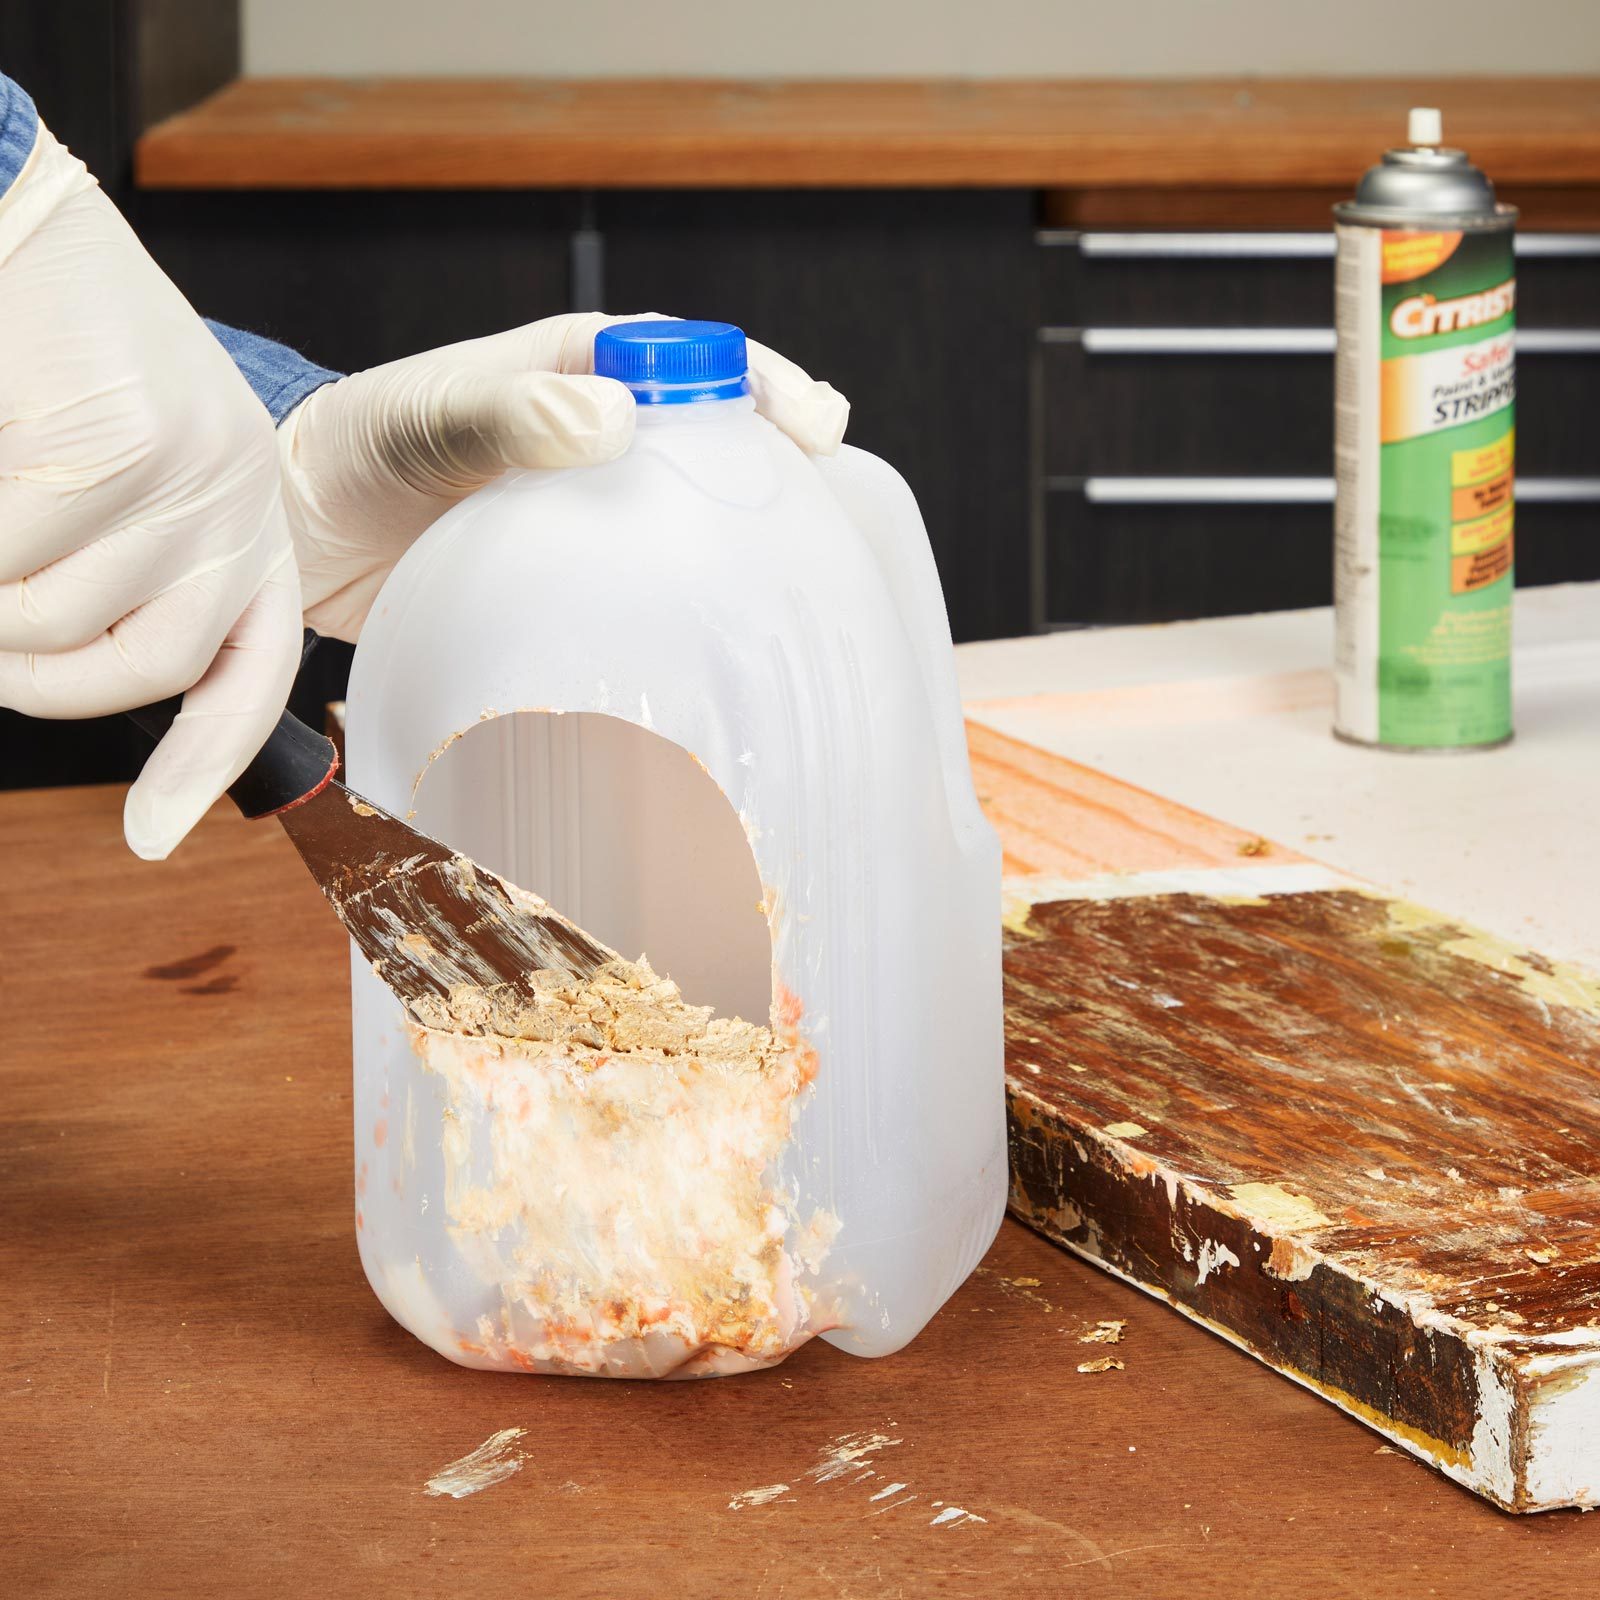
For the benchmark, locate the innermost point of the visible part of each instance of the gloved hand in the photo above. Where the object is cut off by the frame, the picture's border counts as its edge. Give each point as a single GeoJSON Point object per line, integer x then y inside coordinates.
{"type": "Point", "coordinates": [143, 546]}
{"type": "Point", "coordinates": [373, 460]}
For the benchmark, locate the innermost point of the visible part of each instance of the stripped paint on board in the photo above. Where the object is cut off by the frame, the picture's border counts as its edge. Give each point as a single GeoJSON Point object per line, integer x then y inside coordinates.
{"type": "Point", "coordinates": [1369, 1137]}
{"type": "Point", "coordinates": [492, 1462]}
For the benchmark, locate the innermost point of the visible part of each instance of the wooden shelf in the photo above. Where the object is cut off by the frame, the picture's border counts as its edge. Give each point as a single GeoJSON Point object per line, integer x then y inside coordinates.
{"type": "Point", "coordinates": [346, 133]}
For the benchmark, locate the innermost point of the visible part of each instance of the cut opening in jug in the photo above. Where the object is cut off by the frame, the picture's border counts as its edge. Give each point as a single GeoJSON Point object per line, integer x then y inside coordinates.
{"type": "Point", "coordinates": [621, 830]}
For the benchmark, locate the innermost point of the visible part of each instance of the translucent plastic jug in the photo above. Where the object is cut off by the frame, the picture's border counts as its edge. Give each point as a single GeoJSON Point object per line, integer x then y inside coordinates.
{"type": "Point", "coordinates": [558, 680]}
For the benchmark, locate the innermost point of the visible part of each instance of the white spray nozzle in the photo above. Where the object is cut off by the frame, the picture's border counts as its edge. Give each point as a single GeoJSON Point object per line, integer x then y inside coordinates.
{"type": "Point", "coordinates": [1425, 126]}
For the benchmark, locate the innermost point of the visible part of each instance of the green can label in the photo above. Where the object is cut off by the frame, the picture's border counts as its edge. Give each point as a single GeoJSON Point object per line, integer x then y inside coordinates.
{"type": "Point", "coordinates": [1425, 408]}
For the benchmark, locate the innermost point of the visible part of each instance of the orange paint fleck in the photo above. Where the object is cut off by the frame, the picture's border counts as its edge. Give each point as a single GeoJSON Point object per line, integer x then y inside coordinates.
{"type": "Point", "coordinates": [361, 1178]}
{"type": "Point", "coordinates": [787, 1006]}
{"type": "Point", "coordinates": [361, 1221]}
{"type": "Point", "coordinates": [788, 1011]}
{"type": "Point", "coordinates": [380, 1131]}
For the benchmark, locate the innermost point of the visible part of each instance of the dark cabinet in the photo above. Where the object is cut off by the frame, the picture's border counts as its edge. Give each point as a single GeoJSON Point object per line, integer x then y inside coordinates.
{"type": "Point", "coordinates": [918, 305]}
{"type": "Point", "coordinates": [1183, 422]}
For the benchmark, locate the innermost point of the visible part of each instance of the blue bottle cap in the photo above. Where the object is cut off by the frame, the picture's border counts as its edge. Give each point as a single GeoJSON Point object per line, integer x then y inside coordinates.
{"type": "Point", "coordinates": [669, 363]}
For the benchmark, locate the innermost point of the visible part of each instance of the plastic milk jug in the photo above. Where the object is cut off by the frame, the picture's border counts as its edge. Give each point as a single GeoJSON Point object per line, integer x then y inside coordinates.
{"type": "Point", "coordinates": [702, 700]}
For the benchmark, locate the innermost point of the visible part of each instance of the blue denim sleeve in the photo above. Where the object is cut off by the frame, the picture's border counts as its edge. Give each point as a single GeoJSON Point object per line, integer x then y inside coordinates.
{"type": "Point", "coordinates": [19, 127]}
{"type": "Point", "coordinates": [281, 377]}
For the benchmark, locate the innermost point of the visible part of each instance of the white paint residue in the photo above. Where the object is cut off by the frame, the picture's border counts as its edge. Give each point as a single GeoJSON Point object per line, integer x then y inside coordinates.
{"type": "Point", "coordinates": [847, 1455]}
{"type": "Point", "coordinates": [1563, 1418]}
{"type": "Point", "coordinates": [644, 712]}
{"type": "Point", "coordinates": [1290, 1260]}
{"type": "Point", "coordinates": [846, 1459]}
{"type": "Point", "coordinates": [1124, 1130]}
{"type": "Point", "coordinates": [492, 1462]}
{"type": "Point", "coordinates": [757, 1497]}
{"type": "Point", "coordinates": [1493, 1467]}
{"type": "Point", "coordinates": [893, 1505]}
{"type": "Point", "coordinates": [1223, 883]}
{"type": "Point", "coordinates": [1588, 1337]}
{"type": "Point", "coordinates": [952, 1515]}
{"type": "Point", "coordinates": [1276, 1207]}
{"type": "Point", "coordinates": [1214, 1256]}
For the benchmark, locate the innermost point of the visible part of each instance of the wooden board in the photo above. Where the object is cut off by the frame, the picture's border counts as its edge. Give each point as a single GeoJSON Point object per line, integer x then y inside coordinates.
{"type": "Point", "coordinates": [199, 1393]}
{"type": "Point", "coordinates": [1350, 1135]}
{"type": "Point", "coordinates": [327, 133]}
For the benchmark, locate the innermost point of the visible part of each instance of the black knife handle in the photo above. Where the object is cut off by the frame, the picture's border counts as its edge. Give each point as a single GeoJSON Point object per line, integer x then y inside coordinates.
{"type": "Point", "coordinates": [294, 764]}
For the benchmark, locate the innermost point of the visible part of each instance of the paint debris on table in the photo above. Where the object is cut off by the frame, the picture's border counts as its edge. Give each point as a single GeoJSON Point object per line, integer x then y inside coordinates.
{"type": "Point", "coordinates": [1347, 1133]}
{"type": "Point", "coordinates": [495, 1460]}
{"type": "Point", "coordinates": [765, 1495]}
{"type": "Point", "coordinates": [1106, 1332]}
{"type": "Point", "coordinates": [851, 1461]}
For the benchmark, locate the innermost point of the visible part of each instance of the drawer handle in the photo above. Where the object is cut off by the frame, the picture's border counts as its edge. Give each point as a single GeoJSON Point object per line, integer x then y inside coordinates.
{"type": "Point", "coordinates": [1195, 341]}
{"type": "Point", "coordinates": [1558, 341]}
{"type": "Point", "coordinates": [1535, 245]}
{"type": "Point", "coordinates": [1204, 491]}
{"type": "Point", "coordinates": [1152, 246]}
{"type": "Point", "coordinates": [1279, 491]}
{"type": "Point", "coordinates": [1570, 491]}
{"type": "Point", "coordinates": [1202, 246]}
{"type": "Point", "coordinates": [1278, 341]}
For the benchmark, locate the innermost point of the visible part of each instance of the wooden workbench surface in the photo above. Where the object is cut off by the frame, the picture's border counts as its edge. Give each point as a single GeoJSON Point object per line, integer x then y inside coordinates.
{"type": "Point", "coordinates": [201, 1394]}
{"type": "Point", "coordinates": [335, 133]}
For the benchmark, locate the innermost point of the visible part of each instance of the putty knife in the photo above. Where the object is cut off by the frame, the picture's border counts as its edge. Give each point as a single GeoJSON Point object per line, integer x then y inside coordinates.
{"type": "Point", "coordinates": [426, 917]}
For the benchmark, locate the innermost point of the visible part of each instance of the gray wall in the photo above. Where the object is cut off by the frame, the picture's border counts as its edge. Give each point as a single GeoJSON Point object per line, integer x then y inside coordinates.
{"type": "Point", "coordinates": [992, 38]}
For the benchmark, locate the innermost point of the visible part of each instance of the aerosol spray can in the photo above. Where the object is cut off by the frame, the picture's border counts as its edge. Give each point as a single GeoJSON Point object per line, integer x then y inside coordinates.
{"type": "Point", "coordinates": [1425, 410]}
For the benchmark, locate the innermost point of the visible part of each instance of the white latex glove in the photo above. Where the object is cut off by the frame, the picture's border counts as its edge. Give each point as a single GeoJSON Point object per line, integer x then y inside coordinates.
{"type": "Point", "coordinates": [373, 460]}
{"type": "Point", "coordinates": [143, 546]}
